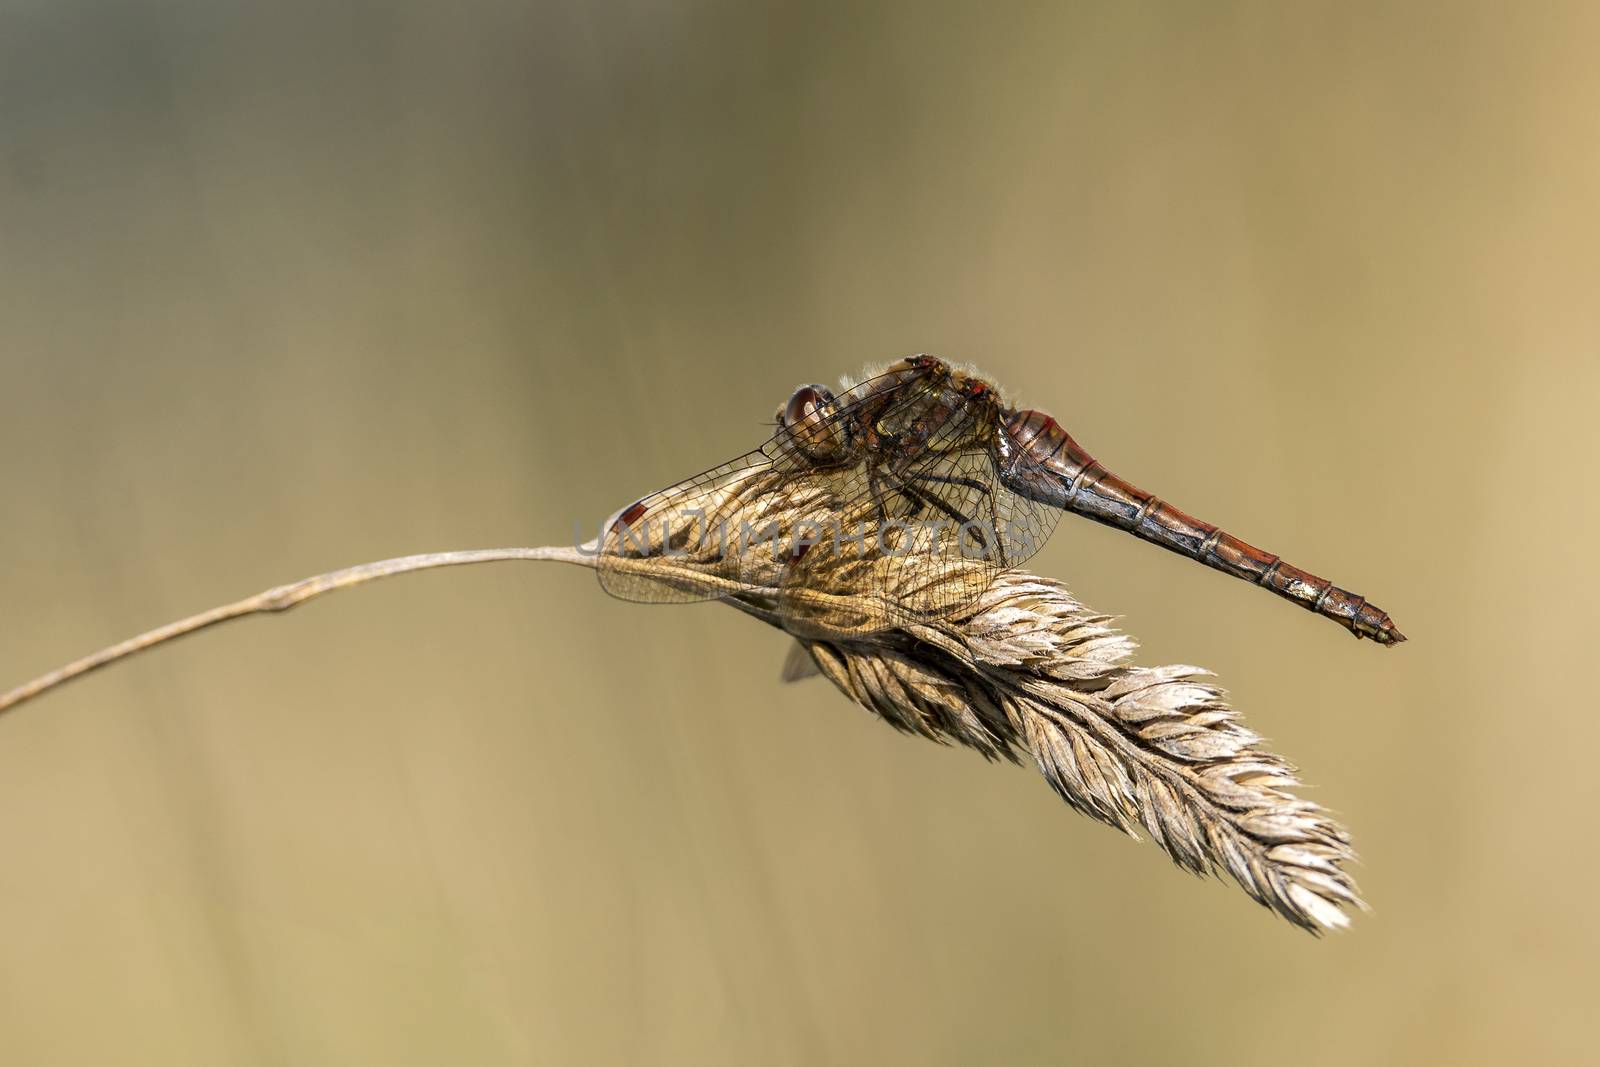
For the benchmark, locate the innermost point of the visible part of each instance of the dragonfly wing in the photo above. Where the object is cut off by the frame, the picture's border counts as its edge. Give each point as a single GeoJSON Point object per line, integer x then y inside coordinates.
{"type": "Point", "coordinates": [733, 528]}
{"type": "Point", "coordinates": [922, 540]}
{"type": "Point", "coordinates": [664, 548]}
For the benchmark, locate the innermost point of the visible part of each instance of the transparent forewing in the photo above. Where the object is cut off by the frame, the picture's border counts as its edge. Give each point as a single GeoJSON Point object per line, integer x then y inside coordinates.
{"type": "Point", "coordinates": [662, 548]}
{"type": "Point", "coordinates": [1025, 524]}
{"type": "Point", "coordinates": [922, 526]}
{"type": "Point", "coordinates": [734, 527]}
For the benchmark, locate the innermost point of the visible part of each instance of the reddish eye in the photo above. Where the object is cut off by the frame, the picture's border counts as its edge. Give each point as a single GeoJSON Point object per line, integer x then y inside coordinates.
{"type": "Point", "coordinates": [812, 428]}
{"type": "Point", "coordinates": [805, 404]}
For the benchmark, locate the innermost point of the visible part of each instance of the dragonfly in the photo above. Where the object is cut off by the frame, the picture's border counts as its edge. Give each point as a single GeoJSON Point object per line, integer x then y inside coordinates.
{"type": "Point", "coordinates": [901, 498]}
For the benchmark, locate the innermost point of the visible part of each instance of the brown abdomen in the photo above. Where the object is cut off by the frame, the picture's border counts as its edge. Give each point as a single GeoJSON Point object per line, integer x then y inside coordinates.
{"type": "Point", "coordinates": [1063, 475]}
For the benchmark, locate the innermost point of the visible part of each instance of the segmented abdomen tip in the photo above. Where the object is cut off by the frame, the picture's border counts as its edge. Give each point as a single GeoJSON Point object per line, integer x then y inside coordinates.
{"type": "Point", "coordinates": [1389, 634]}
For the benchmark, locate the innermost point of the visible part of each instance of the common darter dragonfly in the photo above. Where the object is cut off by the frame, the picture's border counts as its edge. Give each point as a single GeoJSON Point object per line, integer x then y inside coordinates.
{"type": "Point", "coordinates": [901, 498]}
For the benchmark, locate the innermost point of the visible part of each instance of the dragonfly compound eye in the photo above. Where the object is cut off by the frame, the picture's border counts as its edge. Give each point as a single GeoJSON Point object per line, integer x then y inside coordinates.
{"type": "Point", "coordinates": [809, 418]}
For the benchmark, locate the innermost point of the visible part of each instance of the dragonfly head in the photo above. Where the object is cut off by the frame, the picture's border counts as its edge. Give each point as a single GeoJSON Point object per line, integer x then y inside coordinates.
{"type": "Point", "coordinates": [809, 418]}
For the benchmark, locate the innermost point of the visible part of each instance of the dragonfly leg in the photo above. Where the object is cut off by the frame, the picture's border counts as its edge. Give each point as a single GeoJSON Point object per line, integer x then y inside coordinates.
{"type": "Point", "coordinates": [949, 479]}
{"type": "Point", "coordinates": [962, 522]}
{"type": "Point", "coordinates": [986, 488]}
{"type": "Point", "coordinates": [877, 494]}
{"type": "Point", "coordinates": [922, 499]}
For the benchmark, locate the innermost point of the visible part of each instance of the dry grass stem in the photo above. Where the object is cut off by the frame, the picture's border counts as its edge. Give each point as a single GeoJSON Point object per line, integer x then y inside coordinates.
{"type": "Point", "coordinates": [277, 599]}
{"type": "Point", "coordinates": [1024, 668]}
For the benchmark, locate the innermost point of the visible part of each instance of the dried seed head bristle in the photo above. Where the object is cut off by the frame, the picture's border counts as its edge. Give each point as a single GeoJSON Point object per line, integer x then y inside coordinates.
{"type": "Point", "coordinates": [1028, 669]}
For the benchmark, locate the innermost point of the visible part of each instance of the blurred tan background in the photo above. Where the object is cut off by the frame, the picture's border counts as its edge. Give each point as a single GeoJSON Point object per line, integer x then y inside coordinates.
{"type": "Point", "coordinates": [290, 286]}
